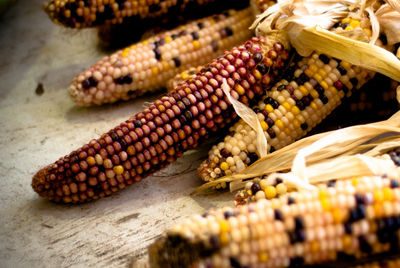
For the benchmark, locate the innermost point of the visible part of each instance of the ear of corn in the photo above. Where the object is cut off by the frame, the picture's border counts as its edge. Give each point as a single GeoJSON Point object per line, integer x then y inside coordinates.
{"type": "Point", "coordinates": [336, 224]}
{"type": "Point", "coordinates": [146, 66]}
{"type": "Point", "coordinates": [151, 139]}
{"type": "Point", "coordinates": [287, 112]}
{"type": "Point", "coordinates": [80, 13]}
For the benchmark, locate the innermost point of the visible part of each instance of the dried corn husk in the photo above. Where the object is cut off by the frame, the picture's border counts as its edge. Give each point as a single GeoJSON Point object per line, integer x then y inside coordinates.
{"type": "Point", "coordinates": [344, 146]}
{"type": "Point", "coordinates": [307, 22]}
{"type": "Point", "coordinates": [250, 117]}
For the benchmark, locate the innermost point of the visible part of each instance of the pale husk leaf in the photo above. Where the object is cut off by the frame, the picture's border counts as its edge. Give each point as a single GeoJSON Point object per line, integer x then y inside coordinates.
{"type": "Point", "coordinates": [250, 117]}
{"type": "Point", "coordinates": [362, 54]}
{"type": "Point", "coordinates": [389, 20]}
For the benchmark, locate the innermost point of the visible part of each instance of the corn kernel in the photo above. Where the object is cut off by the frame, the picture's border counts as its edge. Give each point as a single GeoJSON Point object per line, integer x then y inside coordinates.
{"type": "Point", "coordinates": [263, 257]}
{"type": "Point", "coordinates": [313, 68]}
{"type": "Point", "coordinates": [224, 166]}
{"type": "Point", "coordinates": [264, 125]}
{"type": "Point", "coordinates": [154, 70]}
{"type": "Point", "coordinates": [314, 105]}
{"type": "Point", "coordinates": [318, 77]}
{"type": "Point", "coordinates": [314, 93]}
{"type": "Point", "coordinates": [324, 85]}
{"type": "Point", "coordinates": [168, 39]}
{"type": "Point", "coordinates": [279, 124]}
{"type": "Point", "coordinates": [270, 192]}
{"type": "Point", "coordinates": [118, 170]}
{"type": "Point", "coordinates": [223, 226]}
{"type": "Point", "coordinates": [295, 110]}
{"type": "Point", "coordinates": [91, 161]}
{"type": "Point", "coordinates": [239, 89]}
{"type": "Point", "coordinates": [378, 196]}
{"type": "Point", "coordinates": [355, 23]}
{"type": "Point", "coordinates": [346, 20]}
{"type": "Point", "coordinates": [196, 44]}
{"type": "Point", "coordinates": [387, 194]}
{"type": "Point", "coordinates": [286, 105]}
{"type": "Point", "coordinates": [303, 90]}
{"type": "Point", "coordinates": [224, 238]}
{"type": "Point", "coordinates": [281, 188]}
{"type": "Point", "coordinates": [269, 108]}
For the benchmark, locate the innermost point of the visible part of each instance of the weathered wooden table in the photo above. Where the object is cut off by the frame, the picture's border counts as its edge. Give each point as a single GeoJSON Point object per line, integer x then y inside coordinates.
{"type": "Point", "coordinates": [39, 124]}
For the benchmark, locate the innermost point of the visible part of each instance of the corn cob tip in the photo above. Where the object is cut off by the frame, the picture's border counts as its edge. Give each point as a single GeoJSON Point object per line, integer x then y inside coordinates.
{"type": "Point", "coordinates": [39, 182]}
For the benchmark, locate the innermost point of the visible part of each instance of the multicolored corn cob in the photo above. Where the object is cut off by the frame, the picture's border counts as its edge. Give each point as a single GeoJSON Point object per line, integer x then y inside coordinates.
{"type": "Point", "coordinates": [310, 91]}
{"type": "Point", "coordinates": [151, 139]}
{"type": "Point", "coordinates": [147, 66]}
{"type": "Point", "coordinates": [81, 13]}
{"type": "Point", "coordinates": [335, 224]}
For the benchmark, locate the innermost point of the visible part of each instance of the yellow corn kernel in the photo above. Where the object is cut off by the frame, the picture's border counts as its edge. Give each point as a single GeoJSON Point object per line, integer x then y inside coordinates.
{"type": "Point", "coordinates": [270, 192]}
{"type": "Point", "coordinates": [269, 108]}
{"type": "Point", "coordinates": [333, 90]}
{"type": "Point", "coordinates": [387, 194]}
{"type": "Point", "coordinates": [90, 160]}
{"type": "Point", "coordinates": [296, 123]}
{"type": "Point", "coordinates": [314, 246]}
{"type": "Point", "coordinates": [263, 257]}
{"type": "Point", "coordinates": [322, 72]}
{"type": "Point", "coordinates": [223, 226]}
{"type": "Point", "coordinates": [309, 73]}
{"type": "Point", "coordinates": [349, 28]}
{"type": "Point", "coordinates": [224, 238]}
{"type": "Point", "coordinates": [295, 110]}
{"type": "Point", "coordinates": [168, 39]}
{"type": "Point", "coordinates": [314, 93]}
{"type": "Point", "coordinates": [346, 240]}
{"type": "Point", "coordinates": [196, 44]}
{"type": "Point", "coordinates": [118, 170]}
{"type": "Point", "coordinates": [318, 77]}
{"type": "Point", "coordinates": [239, 89]}
{"type": "Point", "coordinates": [346, 20]}
{"type": "Point", "coordinates": [337, 215]}
{"type": "Point", "coordinates": [286, 105]}
{"type": "Point", "coordinates": [154, 70]}
{"type": "Point", "coordinates": [264, 125]}
{"type": "Point", "coordinates": [324, 85]}
{"type": "Point", "coordinates": [355, 23]}
{"type": "Point", "coordinates": [313, 68]}
{"type": "Point", "coordinates": [378, 196]}
{"type": "Point", "coordinates": [303, 90]}
{"type": "Point", "coordinates": [345, 65]}
{"type": "Point", "coordinates": [224, 166]}
{"type": "Point", "coordinates": [279, 124]}
{"type": "Point", "coordinates": [313, 105]}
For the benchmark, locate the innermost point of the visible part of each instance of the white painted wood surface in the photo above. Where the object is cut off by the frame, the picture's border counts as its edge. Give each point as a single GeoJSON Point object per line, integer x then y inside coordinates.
{"type": "Point", "coordinates": [38, 129]}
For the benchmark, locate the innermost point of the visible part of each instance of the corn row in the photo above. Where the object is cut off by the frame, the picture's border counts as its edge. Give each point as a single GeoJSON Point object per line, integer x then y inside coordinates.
{"type": "Point", "coordinates": [81, 14]}
{"type": "Point", "coordinates": [179, 121]}
{"type": "Point", "coordinates": [338, 223]}
{"type": "Point", "coordinates": [312, 90]}
{"type": "Point", "coordinates": [146, 66]}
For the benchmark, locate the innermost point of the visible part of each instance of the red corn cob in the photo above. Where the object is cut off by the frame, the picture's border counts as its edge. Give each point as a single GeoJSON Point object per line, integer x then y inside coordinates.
{"type": "Point", "coordinates": [179, 121]}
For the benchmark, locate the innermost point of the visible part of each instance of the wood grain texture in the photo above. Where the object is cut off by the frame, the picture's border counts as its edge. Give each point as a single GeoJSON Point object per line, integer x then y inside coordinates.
{"type": "Point", "coordinates": [39, 124]}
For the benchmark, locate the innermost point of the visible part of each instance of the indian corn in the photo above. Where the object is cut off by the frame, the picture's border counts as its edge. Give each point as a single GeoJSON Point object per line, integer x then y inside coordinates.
{"type": "Point", "coordinates": [179, 121]}
{"type": "Point", "coordinates": [335, 224]}
{"type": "Point", "coordinates": [310, 91]}
{"type": "Point", "coordinates": [146, 66]}
{"type": "Point", "coordinates": [81, 14]}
